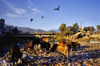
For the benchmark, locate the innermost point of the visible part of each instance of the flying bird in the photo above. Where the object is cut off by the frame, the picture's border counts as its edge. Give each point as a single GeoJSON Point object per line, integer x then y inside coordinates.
{"type": "Point", "coordinates": [31, 20]}
{"type": "Point", "coordinates": [42, 17]}
{"type": "Point", "coordinates": [57, 8]}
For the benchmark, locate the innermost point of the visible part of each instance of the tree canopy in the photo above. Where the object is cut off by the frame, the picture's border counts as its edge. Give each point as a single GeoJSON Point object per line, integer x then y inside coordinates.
{"type": "Point", "coordinates": [15, 30]}
{"type": "Point", "coordinates": [62, 28]}
{"type": "Point", "coordinates": [69, 29]}
{"type": "Point", "coordinates": [91, 29]}
{"type": "Point", "coordinates": [98, 27]}
{"type": "Point", "coordinates": [76, 26]}
{"type": "Point", "coordinates": [86, 29]}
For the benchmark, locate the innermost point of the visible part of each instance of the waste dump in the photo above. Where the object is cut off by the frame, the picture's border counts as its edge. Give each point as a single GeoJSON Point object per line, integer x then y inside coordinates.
{"type": "Point", "coordinates": [83, 56]}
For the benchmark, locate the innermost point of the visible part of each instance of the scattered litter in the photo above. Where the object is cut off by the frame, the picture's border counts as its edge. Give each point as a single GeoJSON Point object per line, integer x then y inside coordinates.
{"type": "Point", "coordinates": [40, 57]}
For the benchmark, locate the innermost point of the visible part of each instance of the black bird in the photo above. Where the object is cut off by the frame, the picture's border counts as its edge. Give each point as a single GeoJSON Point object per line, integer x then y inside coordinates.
{"type": "Point", "coordinates": [57, 8]}
{"type": "Point", "coordinates": [31, 20]}
{"type": "Point", "coordinates": [42, 17]}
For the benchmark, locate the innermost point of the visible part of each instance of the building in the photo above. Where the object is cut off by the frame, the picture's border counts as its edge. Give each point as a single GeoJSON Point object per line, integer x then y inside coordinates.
{"type": "Point", "coordinates": [2, 24]}
{"type": "Point", "coordinates": [8, 29]}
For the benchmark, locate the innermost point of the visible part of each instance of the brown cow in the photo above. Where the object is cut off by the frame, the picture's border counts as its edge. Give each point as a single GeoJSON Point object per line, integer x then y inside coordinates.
{"type": "Point", "coordinates": [45, 39]}
{"type": "Point", "coordinates": [15, 53]}
{"type": "Point", "coordinates": [71, 45]}
{"type": "Point", "coordinates": [28, 44]}
{"type": "Point", "coordinates": [31, 43]}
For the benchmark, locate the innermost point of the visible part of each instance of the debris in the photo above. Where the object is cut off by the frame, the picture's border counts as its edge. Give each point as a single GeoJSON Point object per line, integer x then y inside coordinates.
{"type": "Point", "coordinates": [39, 57]}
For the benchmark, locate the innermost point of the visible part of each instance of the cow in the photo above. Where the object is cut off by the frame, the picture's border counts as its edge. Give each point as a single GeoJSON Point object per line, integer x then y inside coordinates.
{"type": "Point", "coordinates": [71, 45]}
{"type": "Point", "coordinates": [35, 41]}
{"type": "Point", "coordinates": [15, 53]}
{"type": "Point", "coordinates": [31, 43]}
{"type": "Point", "coordinates": [45, 39]}
{"type": "Point", "coordinates": [28, 44]}
{"type": "Point", "coordinates": [45, 45]}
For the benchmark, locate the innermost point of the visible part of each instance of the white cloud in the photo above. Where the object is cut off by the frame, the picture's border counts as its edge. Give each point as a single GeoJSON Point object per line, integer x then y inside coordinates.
{"type": "Point", "coordinates": [34, 9]}
{"type": "Point", "coordinates": [34, 13]}
{"type": "Point", "coordinates": [22, 10]}
{"type": "Point", "coordinates": [30, 2]}
{"type": "Point", "coordinates": [16, 10]}
{"type": "Point", "coordinates": [11, 15]}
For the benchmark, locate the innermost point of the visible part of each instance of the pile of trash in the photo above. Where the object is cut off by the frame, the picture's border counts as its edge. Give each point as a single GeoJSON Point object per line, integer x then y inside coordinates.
{"type": "Point", "coordinates": [40, 57]}
{"type": "Point", "coordinates": [97, 42]}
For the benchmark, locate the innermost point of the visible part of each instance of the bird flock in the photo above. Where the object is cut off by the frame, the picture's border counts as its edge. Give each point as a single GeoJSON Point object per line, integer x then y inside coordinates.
{"type": "Point", "coordinates": [42, 16]}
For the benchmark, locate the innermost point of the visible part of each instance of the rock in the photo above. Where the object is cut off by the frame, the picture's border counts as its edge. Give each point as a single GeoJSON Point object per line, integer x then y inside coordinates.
{"type": "Point", "coordinates": [24, 56]}
{"type": "Point", "coordinates": [1, 59]}
{"type": "Point", "coordinates": [19, 61]}
{"type": "Point", "coordinates": [25, 52]}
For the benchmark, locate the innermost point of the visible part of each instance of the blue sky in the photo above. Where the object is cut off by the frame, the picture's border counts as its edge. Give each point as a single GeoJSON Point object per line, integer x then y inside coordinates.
{"type": "Point", "coordinates": [70, 12]}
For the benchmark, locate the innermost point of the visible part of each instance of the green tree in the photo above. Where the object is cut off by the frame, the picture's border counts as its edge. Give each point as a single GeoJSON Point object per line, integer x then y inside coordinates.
{"type": "Point", "coordinates": [86, 29]}
{"type": "Point", "coordinates": [71, 29]}
{"type": "Point", "coordinates": [98, 27]}
{"type": "Point", "coordinates": [62, 28]}
{"type": "Point", "coordinates": [15, 30]}
{"type": "Point", "coordinates": [91, 29]}
{"type": "Point", "coordinates": [76, 26]}
{"type": "Point", "coordinates": [64, 33]}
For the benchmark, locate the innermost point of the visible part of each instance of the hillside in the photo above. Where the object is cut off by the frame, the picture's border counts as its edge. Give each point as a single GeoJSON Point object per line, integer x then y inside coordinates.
{"type": "Point", "coordinates": [30, 30]}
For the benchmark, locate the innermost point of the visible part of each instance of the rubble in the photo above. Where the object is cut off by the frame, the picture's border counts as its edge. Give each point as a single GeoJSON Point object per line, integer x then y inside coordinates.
{"type": "Point", "coordinates": [87, 55]}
